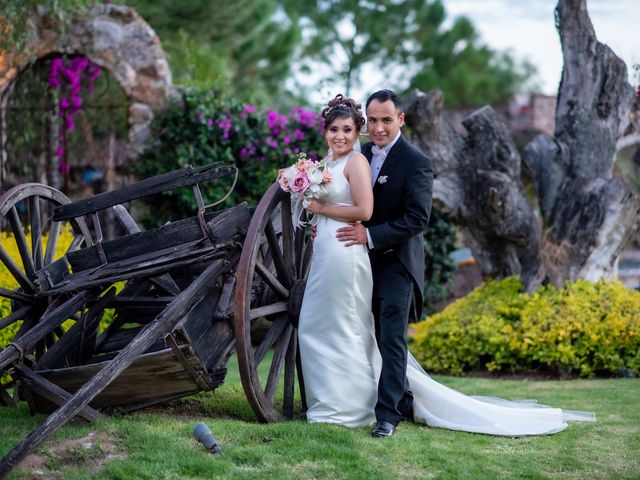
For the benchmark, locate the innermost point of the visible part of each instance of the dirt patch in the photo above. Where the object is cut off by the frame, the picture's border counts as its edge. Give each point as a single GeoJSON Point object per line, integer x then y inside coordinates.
{"type": "Point", "coordinates": [94, 449]}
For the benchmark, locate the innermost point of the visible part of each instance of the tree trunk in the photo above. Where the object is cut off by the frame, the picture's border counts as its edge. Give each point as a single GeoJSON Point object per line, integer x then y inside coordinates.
{"type": "Point", "coordinates": [584, 215]}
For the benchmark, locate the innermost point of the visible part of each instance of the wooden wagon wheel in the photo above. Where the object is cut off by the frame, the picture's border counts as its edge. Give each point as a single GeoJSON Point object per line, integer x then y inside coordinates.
{"type": "Point", "coordinates": [270, 282]}
{"type": "Point", "coordinates": [28, 209]}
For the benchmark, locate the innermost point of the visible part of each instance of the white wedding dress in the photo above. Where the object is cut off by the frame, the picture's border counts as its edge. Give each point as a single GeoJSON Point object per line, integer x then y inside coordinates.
{"type": "Point", "coordinates": [340, 359]}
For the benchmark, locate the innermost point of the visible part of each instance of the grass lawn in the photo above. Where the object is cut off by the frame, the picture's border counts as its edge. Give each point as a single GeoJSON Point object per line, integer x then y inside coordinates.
{"type": "Point", "coordinates": [157, 444]}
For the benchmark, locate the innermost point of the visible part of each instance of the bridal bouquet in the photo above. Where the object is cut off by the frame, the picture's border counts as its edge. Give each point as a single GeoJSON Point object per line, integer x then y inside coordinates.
{"type": "Point", "coordinates": [304, 180]}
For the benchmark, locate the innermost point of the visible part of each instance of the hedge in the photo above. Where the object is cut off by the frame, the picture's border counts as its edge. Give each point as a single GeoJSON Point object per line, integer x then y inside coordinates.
{"type": "Point", "coordinates": [582, 329]}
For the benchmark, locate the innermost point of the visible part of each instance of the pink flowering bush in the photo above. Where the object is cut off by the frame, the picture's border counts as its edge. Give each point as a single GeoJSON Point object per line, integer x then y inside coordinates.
{"type": "Point", "coordinates": [201, 128]}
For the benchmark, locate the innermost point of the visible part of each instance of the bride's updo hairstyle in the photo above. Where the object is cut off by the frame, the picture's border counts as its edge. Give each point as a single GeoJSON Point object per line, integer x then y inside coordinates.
{"type": "Point", "coordinates": [341, 107]}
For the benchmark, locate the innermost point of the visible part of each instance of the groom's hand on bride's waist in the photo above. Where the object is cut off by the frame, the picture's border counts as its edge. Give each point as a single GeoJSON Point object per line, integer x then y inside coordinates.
{"type": "Point", "coordinates": [354, 234]}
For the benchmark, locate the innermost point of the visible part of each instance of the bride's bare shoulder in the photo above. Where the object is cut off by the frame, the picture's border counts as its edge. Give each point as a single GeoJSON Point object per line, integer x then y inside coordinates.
{"type": "Point", "coordinates": [357, 157]}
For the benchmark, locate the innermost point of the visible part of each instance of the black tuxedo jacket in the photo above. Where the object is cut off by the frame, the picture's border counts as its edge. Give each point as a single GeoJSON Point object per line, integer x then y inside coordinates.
{"type": "Point", "coordinates": [401, 209]}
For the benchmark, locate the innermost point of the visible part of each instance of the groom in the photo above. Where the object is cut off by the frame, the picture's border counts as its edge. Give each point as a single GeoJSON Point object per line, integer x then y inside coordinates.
{"type": "Point", "coordinates": [402, 184]}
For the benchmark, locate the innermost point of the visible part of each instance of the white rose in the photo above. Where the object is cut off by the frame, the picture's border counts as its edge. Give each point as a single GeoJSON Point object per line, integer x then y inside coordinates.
{"type": "Point", "coordinates": [290, 173]}
{"type": "Point", "coordinates": [315, 176]}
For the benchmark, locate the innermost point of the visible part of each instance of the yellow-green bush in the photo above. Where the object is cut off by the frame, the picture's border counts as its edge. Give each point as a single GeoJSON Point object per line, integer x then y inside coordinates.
{"type": "Point", "coordinates": [581, 329]}
{"type": "Point", "coordinates": [8, 281]}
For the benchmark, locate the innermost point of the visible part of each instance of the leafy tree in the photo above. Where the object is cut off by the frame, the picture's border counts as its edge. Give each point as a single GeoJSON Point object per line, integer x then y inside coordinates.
{"type": "Point", "coordinates": [237, 46]}
{"type": "Point", "coordinates": [15, 28]}
{"type": "Point", "coordinates": [409, 42]}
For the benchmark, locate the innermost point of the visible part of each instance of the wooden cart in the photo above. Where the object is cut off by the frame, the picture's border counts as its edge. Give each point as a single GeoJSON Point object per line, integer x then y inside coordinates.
{"type": "Point", "coordinates": [183, 297]}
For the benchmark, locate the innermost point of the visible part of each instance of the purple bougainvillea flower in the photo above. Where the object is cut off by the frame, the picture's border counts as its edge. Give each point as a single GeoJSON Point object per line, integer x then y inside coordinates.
{"type": "Point", "coordinates": [225, 123]}
{"type": "Point", "coordinates": [247, 110]}
{"type": "Point", "coordinates": [272, 118]}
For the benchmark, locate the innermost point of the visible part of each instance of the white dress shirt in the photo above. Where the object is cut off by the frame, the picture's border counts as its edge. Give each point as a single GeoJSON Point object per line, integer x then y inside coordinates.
{"type": "Point", "coordinates": [377, 160]}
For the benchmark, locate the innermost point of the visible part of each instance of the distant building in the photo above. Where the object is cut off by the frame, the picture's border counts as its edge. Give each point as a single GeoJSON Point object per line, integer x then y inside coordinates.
{"type": "Point", "coordinates": [532, 111]}
{"type": "Point", "coordinates": [524, 112]}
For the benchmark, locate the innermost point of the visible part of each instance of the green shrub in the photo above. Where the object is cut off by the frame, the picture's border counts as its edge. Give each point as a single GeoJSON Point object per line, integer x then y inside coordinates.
{"type": "Point", "coordinates": [581, 329]}
{"type": "Point", "coordinates": [439, 241]}
{"type": "Point", "coordinates": [201, 128]}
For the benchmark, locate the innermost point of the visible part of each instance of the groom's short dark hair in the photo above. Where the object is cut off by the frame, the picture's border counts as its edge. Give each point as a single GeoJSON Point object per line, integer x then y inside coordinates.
{"type": "Point", "coordinates": [384, 95]}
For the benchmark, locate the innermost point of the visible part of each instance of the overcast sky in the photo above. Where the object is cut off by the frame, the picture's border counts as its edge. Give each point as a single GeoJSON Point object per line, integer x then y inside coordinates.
{"type": "Point", "coordinates": [527, 27]}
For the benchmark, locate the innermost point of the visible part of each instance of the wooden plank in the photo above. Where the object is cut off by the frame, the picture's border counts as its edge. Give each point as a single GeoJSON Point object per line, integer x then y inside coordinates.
{"type": "Point", "coordinates": [126, 220]}
{"type": "Point", "coordinates": [52, 319]}
{"type": "Point", "coordinates": [164, 323]}
{"type": "Point", "coordinates": [132, 288]}
{"type": "Point", "coordinates": [226, 224]}
{"type": "Point", "coordinates": [195, 372]}
{"type": "Point", "coordinates": [77, 345]}
{"type": "Point", "coordinates": [141, 302]}
{"type": "Point", "coordinates": [154, 265]}
{"type": "Point", "coordinates": [271, 280]}
{"type": "Point", "coordinates": [290, 376]}
{"type": "Point", "coordinates": [15, 316]}
{"type": "Point", "coordinates": [160, 183]}
{"type": "Point", "coordinates": [16, 271]}
{"type": "Point", "coordinates": [276, 254]}
{"type": "Point", "coordinates": [303, 395]}
{"type": "Point", "coordinates": [129, 224]}
{"type": "Point", "coordinates": [36, 230]}
{"type": "Point", "coordinates": [274, 332]}
{"type": "Point", "coordinates": [150, 377]}
{"type": "Point", "coordinates": [288, 247]}
{"type": "Point", "coordinates": [279, 354]}
{"type": "Point", "coordinates": [13, 295]}
{"type": "Point", "coordinates": [224, 308]}
{"type": "Point", "coordinates": [52, 392]}
{"type": "Point", "coordinates": [52, 241]}
{"type": "Point", "coordinates": [118, 340]}
{"type": "Point", "coordinates": [211, 340]}
{"type": "Point", "coordinates": [54, 274]}
{"type": "Point", "coordinates": [276, 307]}
{"type": "Point", "coordinates": [21, 242]}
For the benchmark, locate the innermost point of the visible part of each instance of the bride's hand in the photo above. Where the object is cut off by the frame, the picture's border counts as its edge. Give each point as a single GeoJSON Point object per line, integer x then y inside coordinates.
{"type": "Point", "coordinates": [314, 206]}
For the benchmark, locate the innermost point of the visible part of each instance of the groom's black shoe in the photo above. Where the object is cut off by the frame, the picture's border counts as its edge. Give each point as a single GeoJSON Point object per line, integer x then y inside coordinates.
{"type": "Point", "coordinates": [383, 429]}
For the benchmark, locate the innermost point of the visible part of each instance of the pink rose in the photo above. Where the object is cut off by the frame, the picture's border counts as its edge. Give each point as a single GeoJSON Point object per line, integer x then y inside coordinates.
{"type": "Point", "coordinates": [282, 180]}
{"type": "Point", "coordinates": [300, 183]}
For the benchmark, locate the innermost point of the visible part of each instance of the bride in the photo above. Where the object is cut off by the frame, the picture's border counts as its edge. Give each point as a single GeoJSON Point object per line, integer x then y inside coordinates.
{"type": "Point", "coordinates": [341, 361]}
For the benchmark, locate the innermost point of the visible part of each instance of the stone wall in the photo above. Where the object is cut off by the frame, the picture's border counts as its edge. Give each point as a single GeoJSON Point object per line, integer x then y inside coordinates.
{"type": "Point", "coordinates": [118, 40]}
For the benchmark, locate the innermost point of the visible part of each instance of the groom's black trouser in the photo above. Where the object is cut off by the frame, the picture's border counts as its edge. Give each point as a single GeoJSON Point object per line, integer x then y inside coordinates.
{"type": "Point", "coordinates": [392, 295]}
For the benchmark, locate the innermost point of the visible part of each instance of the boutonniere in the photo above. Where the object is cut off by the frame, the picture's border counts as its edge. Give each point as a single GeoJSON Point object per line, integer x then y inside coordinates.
{"type": "Point", "coordinates": [382, 179]}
